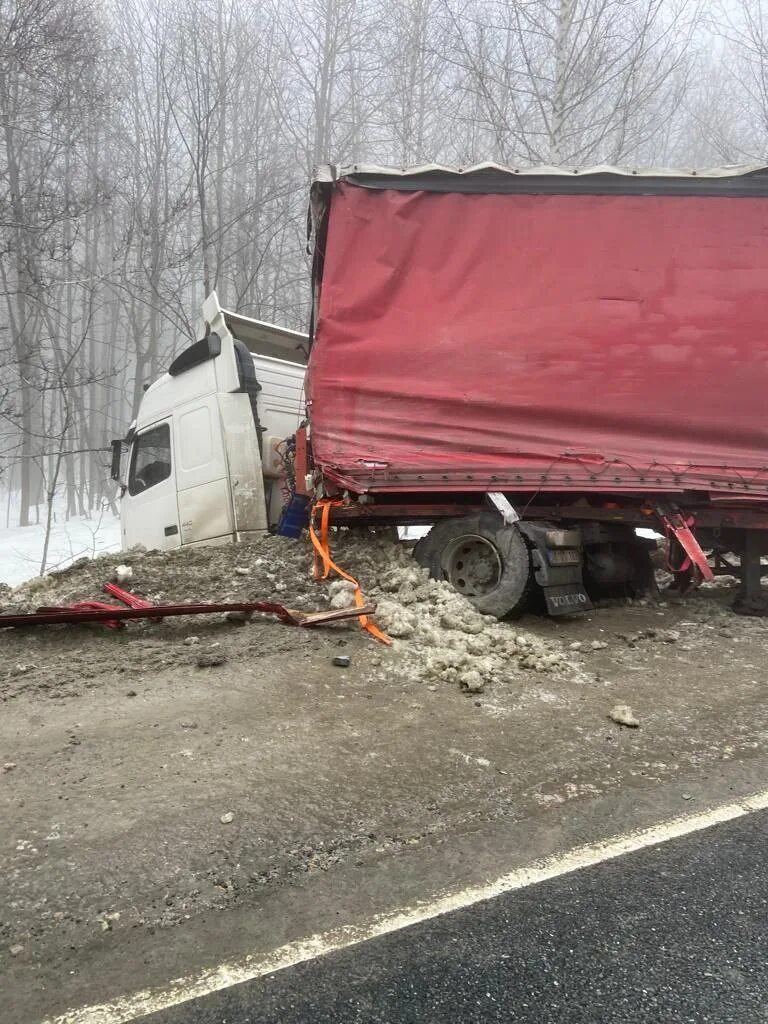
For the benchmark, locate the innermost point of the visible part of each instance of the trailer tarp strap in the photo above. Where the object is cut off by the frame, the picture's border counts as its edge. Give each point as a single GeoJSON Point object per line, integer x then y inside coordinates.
{"type": "Point", "coordinates": [324, 564]}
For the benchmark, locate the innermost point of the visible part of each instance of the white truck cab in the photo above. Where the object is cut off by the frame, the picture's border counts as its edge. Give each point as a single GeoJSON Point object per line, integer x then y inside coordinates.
{"type": "Point", "coordinates": [201, 462]}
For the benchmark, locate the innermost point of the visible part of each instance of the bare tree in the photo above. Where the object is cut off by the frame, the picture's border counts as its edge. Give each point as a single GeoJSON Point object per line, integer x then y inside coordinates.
{"type": "Point", "coordinates": [150, 231]}
{"type": "Point", "coordinates": [326, 47]}
{"type": "Point", "coordinates": [573, 81]}
{"type": "Point", "coordinates": [739, 127]}
{"type": "Point", "coordinates": [47, 65]}
{"type": "Point", "coordinates": [418, 80]}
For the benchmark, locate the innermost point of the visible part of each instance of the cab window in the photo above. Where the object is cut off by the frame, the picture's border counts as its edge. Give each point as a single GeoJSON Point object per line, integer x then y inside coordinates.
{"type": "Point", "coordinates": [150, 459]}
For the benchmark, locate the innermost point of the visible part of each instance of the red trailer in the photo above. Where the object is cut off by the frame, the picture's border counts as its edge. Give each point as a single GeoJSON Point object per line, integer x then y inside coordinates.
{"type": "Point", "coordinates": [538, 362]}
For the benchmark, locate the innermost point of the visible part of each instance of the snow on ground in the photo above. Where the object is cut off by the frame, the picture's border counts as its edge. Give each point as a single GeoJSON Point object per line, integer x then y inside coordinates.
{"type": "Point", "coordinates": [21, 547]}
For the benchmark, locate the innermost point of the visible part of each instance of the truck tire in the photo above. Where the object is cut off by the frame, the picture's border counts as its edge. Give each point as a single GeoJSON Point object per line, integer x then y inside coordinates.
{"type": "Point", "coordinates": [483, 559]}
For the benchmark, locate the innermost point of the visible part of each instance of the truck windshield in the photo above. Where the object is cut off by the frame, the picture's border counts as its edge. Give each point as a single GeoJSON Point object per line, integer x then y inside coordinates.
{"type": "Point", "coordinates": [150, 459]}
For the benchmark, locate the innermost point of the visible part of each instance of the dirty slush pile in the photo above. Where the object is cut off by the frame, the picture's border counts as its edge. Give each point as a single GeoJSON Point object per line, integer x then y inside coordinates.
{"type": "Point", "coordinates": [435, 631]}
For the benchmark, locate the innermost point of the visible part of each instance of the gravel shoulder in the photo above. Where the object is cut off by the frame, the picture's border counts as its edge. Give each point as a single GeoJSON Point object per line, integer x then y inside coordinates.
{"type": "Point", "coordinates": [125, 760]}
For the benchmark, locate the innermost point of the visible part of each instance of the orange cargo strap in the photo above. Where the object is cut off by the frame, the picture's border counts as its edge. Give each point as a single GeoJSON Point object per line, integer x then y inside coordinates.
{"type": "Point", "coordinates": [324, 564]}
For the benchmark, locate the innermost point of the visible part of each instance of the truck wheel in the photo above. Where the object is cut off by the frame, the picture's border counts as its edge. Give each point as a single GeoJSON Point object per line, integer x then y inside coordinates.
{"type": "Point", "coordinates": [484, 560]}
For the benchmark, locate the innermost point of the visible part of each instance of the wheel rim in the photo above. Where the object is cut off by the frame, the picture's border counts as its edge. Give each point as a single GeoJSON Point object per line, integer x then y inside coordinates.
{"type": "Point", "coordinates": [472, 565]}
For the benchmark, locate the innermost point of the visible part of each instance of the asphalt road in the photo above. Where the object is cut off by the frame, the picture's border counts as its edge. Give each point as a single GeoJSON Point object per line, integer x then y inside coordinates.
{"type": "Point", "coordinates": [677, 932]}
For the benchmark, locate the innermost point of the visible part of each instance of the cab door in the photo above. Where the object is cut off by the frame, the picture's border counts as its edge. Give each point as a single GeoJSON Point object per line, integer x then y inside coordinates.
{"type": "Point", "coordinates": [202, 473]}
{"type": "Point", "coordinates": [150, 514]}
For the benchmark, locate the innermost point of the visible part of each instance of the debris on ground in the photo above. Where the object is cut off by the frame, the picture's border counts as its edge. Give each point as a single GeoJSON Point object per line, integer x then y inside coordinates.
{"type": "Point", "coordinates": [623, 714]}
{"type": "Point", "coordinates": [227, 819]}
{"type": "Point", "coordinates": [122, 573]}
{"type": "Point", "coordinates": [633, 639]}
{"type": "Point", "coordinates": [664, 636]}
{"type": "Point", "coordinates": [113, 616]}
{"type": "Point", "coordinates": [210, 659]}
{"type": "Point", "coordinates": [342, 661]}
{"type": "Point", "coordinates": [439, 635]}
{"type": "Point", "coordinates": [472, 682]}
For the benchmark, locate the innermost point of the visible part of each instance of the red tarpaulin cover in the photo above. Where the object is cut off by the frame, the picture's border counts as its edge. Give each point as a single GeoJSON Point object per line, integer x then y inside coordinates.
{"type": "Point", "coordinates": [614, 341]}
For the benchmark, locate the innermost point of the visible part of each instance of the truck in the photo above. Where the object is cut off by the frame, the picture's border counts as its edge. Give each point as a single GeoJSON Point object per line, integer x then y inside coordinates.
{"type": "Point", "coordinates": [535, 363]}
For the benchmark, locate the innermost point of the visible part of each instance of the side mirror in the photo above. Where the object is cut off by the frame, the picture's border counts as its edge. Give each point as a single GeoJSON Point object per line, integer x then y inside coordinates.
{"type": "Point", "coordinates": [117, 451]}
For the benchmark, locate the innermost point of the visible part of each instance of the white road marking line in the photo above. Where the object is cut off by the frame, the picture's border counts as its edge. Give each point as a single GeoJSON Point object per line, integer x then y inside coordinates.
{"type": "Point", "coordinates": [247, 968]}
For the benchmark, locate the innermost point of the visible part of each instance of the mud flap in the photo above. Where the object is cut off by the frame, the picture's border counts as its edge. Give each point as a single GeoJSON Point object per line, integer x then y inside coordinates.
{"type": "Point", "coordinates": [556, 555]}
{"type": "Point", "coordinates": [566, 598]}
